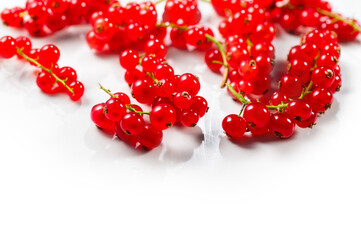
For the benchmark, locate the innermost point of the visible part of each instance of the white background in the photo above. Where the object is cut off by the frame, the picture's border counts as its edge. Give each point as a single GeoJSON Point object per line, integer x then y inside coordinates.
{"type": "Point", "coordinates": [61, 178]}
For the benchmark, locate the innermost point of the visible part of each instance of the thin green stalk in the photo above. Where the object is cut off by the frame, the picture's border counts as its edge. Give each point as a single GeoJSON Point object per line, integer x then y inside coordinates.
{"type": "Point", "coordinates": [224, 58]}
{"type": "Point", "coordinates": [338, 17]}
{"type": "Point", "coordinates": [49, 70]}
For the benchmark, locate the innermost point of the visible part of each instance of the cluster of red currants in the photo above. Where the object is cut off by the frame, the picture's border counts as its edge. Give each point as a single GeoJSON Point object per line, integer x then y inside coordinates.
{"type": "Point", "coordinates": [51, 78]}
{"type": "Point", "coordinates": [305, 92]}
{"type": "Point", "coordinates": [44, 17]}
{"type": "Point", "coordinates": [315, 14]}
{"type": "Point", "coordinates": [248, 57]}
{"type": "Point", "coordinates": [144, 130]}
{"type": "Point", "coordinates": [117, 28]}
{"type": "Point", "coordinates": [153, 81]}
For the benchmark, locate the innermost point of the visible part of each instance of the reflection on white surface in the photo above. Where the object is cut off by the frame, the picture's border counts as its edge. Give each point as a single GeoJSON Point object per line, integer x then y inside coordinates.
{"type": "Point", "coordinates": [62, 178]}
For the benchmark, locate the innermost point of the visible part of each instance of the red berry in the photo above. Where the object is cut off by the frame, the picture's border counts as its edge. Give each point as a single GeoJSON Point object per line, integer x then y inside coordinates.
{"type": "Point", "coordinates": [281, 125]}
{"type": "Point", "coordinates": [234, 126]}
{"type": "Point", "coordinates": [150, 137]}
{"type": "Point", "coordinates": [7, 47]}
{"type": "Point", "coordinates": [189, 117]}
{"type": "Point", "coordinates": [129, 59]}
{"type": "Point", "coordinates": [132, 123]}
{"type": "Point", "coordinates": [256, 115]}
{"type": "Point", "coordinates": [163, 116]}
{"type": "Point", "coordinates": [99, 119]}
{"type": "Point", "coordinates": [114, 109]}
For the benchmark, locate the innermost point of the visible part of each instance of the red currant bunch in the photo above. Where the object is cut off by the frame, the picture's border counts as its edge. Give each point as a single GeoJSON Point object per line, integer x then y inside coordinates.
{"type": "Point", "coordinates": [153, 82]}
{"type": "Point", "coordinates": [44, 17]}
{"type": "Point", "coordinates": [51, 79]}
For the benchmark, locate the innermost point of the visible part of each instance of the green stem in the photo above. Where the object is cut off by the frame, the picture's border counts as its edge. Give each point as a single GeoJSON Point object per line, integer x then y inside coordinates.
{"type": "Point", "coordinates": [206, 1]}
{"type": "Point", "coordinates": [158, 2]}
{"type": "Point", "coordinates": [237, 95]}
{"type": "Point", "coordinates": [49, 70]}
{"type": "Point", "coordinates": [278, 107]}
{"type": "Point", "coordinates": [245, 102]}
{"type": "Point", "coordinates": [128, 106]}
{"type": "Point", "coordinates": [172, 25]}
{"type": "Point", "coordinates": [338, 17]}
{"type": "Point", "coordinates": [224, 58]}
{"type": "Point", "coordinates": [306, 91]}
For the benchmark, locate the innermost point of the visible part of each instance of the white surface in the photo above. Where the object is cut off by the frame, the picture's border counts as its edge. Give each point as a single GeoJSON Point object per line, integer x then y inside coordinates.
{"type": "Point", "coordinates": [61, 178]}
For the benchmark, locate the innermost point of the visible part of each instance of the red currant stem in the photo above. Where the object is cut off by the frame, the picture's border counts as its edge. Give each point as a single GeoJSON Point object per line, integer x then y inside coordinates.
{"type": "Point", "coordinates": [243, 107]}
{"type": "Point", "coordinates": [246, 102]}
{"type": "Point", "coordinates": [128, 106]}
{"type": "Point", "coordinates": [23, 14]}
{"type": "Point", "coordinates": [249, 45]}
{"type": "Point", "coordinates": [306, 91]}
{"type": "Point", "coordinates": [141, 56]}
{"type": "Point", "coordinates": [172, 25]}
{"type": "Point", "coordinates": [155, 80]}
{"type": "Point", "coordinates": [218, 62]}
{"type": "Point", "coordinates": [224, 58]}
{"type": "Point", "coordinates": [237, 95]}
{"type": "Point", "coordinates": [278, 107]}
{"type": "Point", "coordinates": [158, 2]}
{"type": "Point", "coordinates": [107, 91]}
{"type": "Point", "coordinates": [49, 70]}
{"type": "Point", "coordinates": [338, 17]}
{"type": "Point", "coordinates": [206, 1]}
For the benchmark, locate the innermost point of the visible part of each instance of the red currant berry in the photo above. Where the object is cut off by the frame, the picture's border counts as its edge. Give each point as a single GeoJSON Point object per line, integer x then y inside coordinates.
{"type": "Point", "coordinates": [256, 115]}
{"type": "Point", "coordinates": [163, 116]}
{"type": "Point", "coordinates": [234, 126]}
{"type": "Point", "coordinates": [150, 137]}
{"type": "Point", "coordinates": [189, 117]}
{"type": "Point", "coordinates": [7, 47]}
{"type": "Point", "coordinates": [132, 123]}
{"type": "Point", "coordinates": [99, 119]}
{"type": "Point", "coordinates": [129, 59]}
{"type": "Point", "coordinates": [281, 125]}
{"type": "Point", "coordinates": [114, 109]}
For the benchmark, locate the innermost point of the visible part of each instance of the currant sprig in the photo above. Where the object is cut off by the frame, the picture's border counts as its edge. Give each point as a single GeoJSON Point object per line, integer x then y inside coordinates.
{"type": "Point", "coordinates": [48, 70]}
{"type": "Point", "coordinates": [51, 79]}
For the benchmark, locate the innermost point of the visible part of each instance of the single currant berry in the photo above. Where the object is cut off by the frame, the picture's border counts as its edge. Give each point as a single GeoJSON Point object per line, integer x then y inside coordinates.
{"type": "Point", "coordinates": [323, 77]}
{"type": "Point", "coordinates": [104, 29]}
{"type": "Point", "coordinates": [301, 70]}
{"type": "Point", "coordinates": [132, 140]}
{"type": "Point", "coordinates": [214, 60]}
{"type": "Point", "coordinates": [245, 86]}
{"type": "Point", "coordinates": [248, 69]}
{"type": "Point", "coordinates": [150, 137]}
{"type": "Point", "coordinates": [189, 117]}
{"type": "Point", "coordinates": [327, 60]}
{"type": "Point", "coordinates": [308, 123]}
{"type": "Point", "coordinates": [320, 100]}
{"type": "Point", "coordinates": [337, 84]}
{"type": "Point", "coordinates": [164, 88]}
{"type": "Point", "coordinates": [132, 123]}
{"type": "Point", "coordinates": [133, 75]}
{"type": "Point", "coordinates": [200, 105]}
{"type": "Point", "coordinates": [234, 126]}
{"type": "Point", "coordinates": [278, 98]}
{"type": "Point", "coordinates": [114, 109]}
{"type": "Point", "coordinates": [24, 44]}
{"type": "Point", "coordinates": [143, 90]}
{"type": "Point", "coordinates": [188, 83]}
{"type": "Point", "coordinates": [155, 47]}
{"type": "Point", "coordinates": [78, 90]}
{"type": "Point", "coordinates": [163, 116]}
{"type": "Point", "coordinates": [49, 55]}
{"type": "Point", "coordinates": [7, 47]}
{"type": "Point", "coordinates": [47, 83]}
{"type": "Point", "coordinates": [298, 110]}
{"type": "Point", "coordinates": [281, 125]}
{"type": "Point", "coordinates": [122, 97]}
{"type": "Point", "coordinates": [99, 119]}
{"type": "Point", "coordinates": [68, 74]}
{"type": "Point", "coordinates": [183, 100]}
{"type": "Point", "coordinates": [149, 64]}
{"type": "Point", "coordinates": [291, 86]}
{"type": "Point", "coordinates": [256, 115]}
{"type": "Point", "coordinates": [164, 71]}
{"type": "Point", "coordinates": [12, 17]}
{"type": "Point", "coordinates": [129, 59]}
